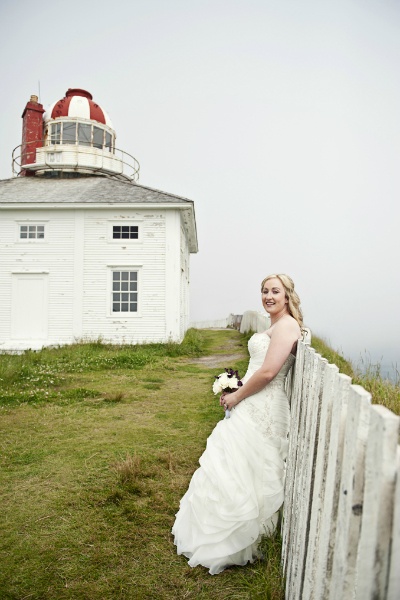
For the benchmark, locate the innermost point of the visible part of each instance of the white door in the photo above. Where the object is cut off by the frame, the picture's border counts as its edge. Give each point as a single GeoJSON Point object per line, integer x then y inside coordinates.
{"type": "Point", "coordinates": [29, 306]}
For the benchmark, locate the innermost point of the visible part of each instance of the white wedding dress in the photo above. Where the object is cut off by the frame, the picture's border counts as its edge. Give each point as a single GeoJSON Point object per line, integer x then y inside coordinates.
{"type": "Point", "coordinates": [234, 496]}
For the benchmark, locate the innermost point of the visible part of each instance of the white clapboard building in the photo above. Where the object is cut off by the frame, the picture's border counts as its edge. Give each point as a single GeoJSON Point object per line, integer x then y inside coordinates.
{"type": "Point", "coordinates": [85, 251]}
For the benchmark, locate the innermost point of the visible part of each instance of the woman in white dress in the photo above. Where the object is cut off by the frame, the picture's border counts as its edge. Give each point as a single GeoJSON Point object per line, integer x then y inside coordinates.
{"type": "Point", "coordinates": [234, 497]}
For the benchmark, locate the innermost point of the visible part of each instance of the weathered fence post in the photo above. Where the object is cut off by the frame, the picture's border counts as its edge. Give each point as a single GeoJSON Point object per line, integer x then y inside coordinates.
{"type": "Point", "coordinates": [350, 494]}
{"type": "Point", "coordinates": [290, 507]}
{"type": "Point", "coordinates": [373, 559]}
{"type": "Point", "coordinates": [341, 526]}
{"type": "Point", "coordinates": [318, 492]}
{"type": "Point", "coordinates": [306, 416]}
{"type": "Point", "coordinates": [394, 574]}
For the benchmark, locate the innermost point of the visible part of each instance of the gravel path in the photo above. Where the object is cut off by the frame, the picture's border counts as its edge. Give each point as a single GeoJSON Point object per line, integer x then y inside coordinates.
{"type": "Point", "coordinates": [217, 360]}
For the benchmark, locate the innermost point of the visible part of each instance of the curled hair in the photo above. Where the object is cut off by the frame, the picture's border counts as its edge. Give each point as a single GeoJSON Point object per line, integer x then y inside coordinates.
{"type": "Point", "coordinates": [293, 304]}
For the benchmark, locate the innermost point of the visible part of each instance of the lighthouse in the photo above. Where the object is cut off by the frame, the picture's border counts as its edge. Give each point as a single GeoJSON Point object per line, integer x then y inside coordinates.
{"type": "Point", "coordinates": [86, 252]}
{"type": "Point", "coordinates": [73, 137]}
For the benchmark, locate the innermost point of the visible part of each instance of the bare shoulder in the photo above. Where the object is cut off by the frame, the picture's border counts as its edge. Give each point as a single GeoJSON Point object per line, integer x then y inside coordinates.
{"type": "Point", "coordinates": [287, 326]}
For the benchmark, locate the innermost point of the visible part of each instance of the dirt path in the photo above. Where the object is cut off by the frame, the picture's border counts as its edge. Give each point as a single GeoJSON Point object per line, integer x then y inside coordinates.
{"type": "Point", "coordinates": [224, 359]}
{"type": "Point", "coordinates": [217, 360]}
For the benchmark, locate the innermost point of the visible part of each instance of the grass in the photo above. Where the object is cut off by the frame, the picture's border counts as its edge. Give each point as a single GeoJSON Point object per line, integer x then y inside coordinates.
{"type": "Point", "coordinates": [383, 391]}
{"type": "Point", "coordinates": [98, 444]}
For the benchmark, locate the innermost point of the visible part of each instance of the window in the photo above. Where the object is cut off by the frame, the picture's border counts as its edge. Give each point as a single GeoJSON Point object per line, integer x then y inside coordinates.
{"type": "Point", "coordinates": [55, 133]}
{"type": "Point", "coordinates": [31, 232]}
{"type": "Point", "coordinates": [108, 141]}
{"type": "Point", "coordinates": [97, 137]}
{"type": "Point", "coordinates": [125, 232]}
{"type": "Point", "coordinates": [125, 292]}
{"type": "Point", "coordinates": [69, 133]}
{"type": "Point", "coordinates": [84, 134]}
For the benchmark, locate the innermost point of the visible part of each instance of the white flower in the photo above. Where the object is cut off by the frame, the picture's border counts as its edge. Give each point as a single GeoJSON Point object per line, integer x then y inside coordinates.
{"type": "Point", "coordinates": [225, 383]}
{"type": "Point", "coordinates": [217, 389]}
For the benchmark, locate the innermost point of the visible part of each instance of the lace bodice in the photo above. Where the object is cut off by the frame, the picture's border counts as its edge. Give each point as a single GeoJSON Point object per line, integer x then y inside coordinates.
{"type": "Point", "coordinates": [269, 408]}
{"type": "Point", "coordinates": [258, 346]}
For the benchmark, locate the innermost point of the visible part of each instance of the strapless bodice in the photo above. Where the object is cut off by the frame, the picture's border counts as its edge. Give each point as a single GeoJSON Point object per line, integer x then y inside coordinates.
{"type": "Point", "coordinates": [258, 346]}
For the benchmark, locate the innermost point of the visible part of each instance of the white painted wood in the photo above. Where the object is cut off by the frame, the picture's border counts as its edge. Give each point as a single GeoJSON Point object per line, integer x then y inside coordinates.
{"type": "Point", "coordinates": [78, 274]}
{"type": "Point", "coordinates": [294, 584]}
{"type": "Point", "coordinates": [308, 458]}
{"type": "Point", "coordinates": [172, 277]}
{"type": "Point", "coordinates": [378, 506]}
{"type": "Point", "coordinates": [341, 527]}
{"type": "Point", "coordinates": [29, 307]}
{"type": "Point", "coordinates": [350, 494]}
{"type": "Point", "coordinates": [394, 570]}
{"type": "Point", "coordinates": [253, 320]}
{"type": "Point", "coordinates": [329, 390]}
{"type": "Point", "coordinates": [148, 258]}
{"type": "Point", "coordinates": [290, 505]}
{"type": "Point", "coordinates": [185, 281]}
{"type": "Point", "coordinates": [212, 324]}
{"type": "Point", "coordinates": [329, 509]}
{"type": "Point", "coordinates": [78, 252]}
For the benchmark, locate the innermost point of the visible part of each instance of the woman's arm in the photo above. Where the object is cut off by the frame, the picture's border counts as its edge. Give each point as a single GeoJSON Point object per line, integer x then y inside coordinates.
{"type": "Point", "coordinates": [283, 337]}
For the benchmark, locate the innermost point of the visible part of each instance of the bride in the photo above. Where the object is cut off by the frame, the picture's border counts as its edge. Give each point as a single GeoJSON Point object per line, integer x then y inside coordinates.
{"type": "Point", "coordinates": [234, 497]}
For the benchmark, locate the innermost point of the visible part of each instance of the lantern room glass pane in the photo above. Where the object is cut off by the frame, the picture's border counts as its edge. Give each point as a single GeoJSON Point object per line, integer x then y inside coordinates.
{"type": "Point", "coordinates": [84, 134]}
{"type": "Point", "coordinates": [108, 141]}
{"type": "Point", "coordinates": [69, 133]}
{"type": "Point", "coordinates": [98, 137]}
{"type": "Point", "coordinates": [55, 133]}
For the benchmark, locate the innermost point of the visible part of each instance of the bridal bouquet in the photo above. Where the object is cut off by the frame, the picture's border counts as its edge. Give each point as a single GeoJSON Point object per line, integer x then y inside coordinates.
{"type": "Point", "coordinates": [227, 382]}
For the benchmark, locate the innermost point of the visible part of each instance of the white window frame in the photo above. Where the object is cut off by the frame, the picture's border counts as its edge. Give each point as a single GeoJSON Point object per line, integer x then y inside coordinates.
{"type": "Point", "coordinates": [57, 139]}
{"type": "Point", "coordinates": [124, 315]}
{"type": "Point", "coordinates": [126, 223]}
{"type": "Point", "coordinates": [54, 158]}
{"type": "Point", "coordinates": [34, 240]}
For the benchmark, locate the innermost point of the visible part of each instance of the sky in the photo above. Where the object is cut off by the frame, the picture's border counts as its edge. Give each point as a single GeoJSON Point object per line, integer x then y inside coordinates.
{"type": "Point", "coordinates": [280, 119]}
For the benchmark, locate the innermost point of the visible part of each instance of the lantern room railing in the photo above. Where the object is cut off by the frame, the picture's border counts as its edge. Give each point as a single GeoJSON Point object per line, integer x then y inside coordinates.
{"type": "Point", "coordinates": [40, 156]}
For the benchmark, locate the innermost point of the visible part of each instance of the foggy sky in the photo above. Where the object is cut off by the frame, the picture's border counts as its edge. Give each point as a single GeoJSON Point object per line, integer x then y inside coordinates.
{"type": "Point", "coordinates": [279, 118]}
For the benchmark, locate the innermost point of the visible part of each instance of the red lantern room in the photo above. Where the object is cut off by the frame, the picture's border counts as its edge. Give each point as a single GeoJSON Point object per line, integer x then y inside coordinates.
{"type": "Point", "coordinates": [73, 137]}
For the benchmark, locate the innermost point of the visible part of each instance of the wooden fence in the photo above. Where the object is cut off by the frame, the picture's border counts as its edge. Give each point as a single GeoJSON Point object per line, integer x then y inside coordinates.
{"type": "Point", "coordinates": [231, 320]}
{"type": "Point", "coordinates": [341, 525]}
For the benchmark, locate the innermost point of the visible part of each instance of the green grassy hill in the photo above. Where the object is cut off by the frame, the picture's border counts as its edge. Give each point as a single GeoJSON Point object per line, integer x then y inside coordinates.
{"type": "Point", "coordinates": [382, 390]}
{"type": "Point", "coordinates": [98, 444]}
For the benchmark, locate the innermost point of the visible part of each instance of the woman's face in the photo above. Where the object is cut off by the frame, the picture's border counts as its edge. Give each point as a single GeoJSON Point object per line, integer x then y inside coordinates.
{"type": "Point", "coordinates": [273, 296]}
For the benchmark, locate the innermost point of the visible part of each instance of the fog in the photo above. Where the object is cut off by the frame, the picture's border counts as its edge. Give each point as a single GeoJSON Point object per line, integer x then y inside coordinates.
{"type": "Point", "coordinates": [279, 119]}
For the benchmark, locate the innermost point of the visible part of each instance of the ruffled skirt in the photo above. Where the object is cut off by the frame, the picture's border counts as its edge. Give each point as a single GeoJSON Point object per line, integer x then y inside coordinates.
{"type": "Point", "coordinates": [235, 495]}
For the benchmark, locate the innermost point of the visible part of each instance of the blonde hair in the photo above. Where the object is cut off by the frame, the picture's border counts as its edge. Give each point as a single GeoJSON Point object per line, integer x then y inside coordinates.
{"type": "Point", "coordinates": [293, 304]}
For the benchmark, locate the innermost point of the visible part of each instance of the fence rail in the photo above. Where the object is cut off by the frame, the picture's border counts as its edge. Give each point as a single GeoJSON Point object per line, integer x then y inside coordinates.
{"type": "Point", "coordinates": [341, 525]}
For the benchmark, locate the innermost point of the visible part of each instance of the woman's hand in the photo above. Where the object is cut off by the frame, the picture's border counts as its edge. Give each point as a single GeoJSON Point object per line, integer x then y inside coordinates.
{"type": "Point", "coordinates": [228, 401]}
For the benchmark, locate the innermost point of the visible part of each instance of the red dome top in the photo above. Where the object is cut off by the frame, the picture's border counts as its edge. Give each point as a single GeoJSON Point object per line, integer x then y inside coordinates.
{"type": "Point", "coordinates": [78, 103]}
